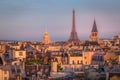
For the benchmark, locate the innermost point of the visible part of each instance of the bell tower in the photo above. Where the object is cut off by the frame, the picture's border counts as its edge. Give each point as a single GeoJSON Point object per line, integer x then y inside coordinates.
{"type": "Point", "coordinates": [94, 33]}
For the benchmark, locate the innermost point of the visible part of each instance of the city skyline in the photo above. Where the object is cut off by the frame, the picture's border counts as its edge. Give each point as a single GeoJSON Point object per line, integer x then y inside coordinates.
{"type": "Point", "coordinates": [27, 20]}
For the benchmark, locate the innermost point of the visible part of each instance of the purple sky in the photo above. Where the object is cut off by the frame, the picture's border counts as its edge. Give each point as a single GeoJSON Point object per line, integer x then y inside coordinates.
{"type": "Point", "coordinates": [27, 19]}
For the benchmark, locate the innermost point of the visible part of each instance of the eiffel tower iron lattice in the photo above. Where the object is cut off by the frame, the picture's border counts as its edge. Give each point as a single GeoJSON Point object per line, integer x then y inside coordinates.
{"type": "Point", "coordinates": [73, 35]}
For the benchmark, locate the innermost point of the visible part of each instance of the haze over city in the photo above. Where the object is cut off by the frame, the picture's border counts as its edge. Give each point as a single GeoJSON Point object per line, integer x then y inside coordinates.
{"type": "Point", "coordinates": [28, 19]}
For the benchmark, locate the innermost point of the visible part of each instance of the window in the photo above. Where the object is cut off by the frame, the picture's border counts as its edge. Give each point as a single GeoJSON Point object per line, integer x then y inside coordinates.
{"type": "Point", "coordinates": [5, 78]}
{"type": "Point", "coordinates": [18, 70]}
{"type": "Point", "coordinates": [6, 56]}
{"type": "Point", "coordinates": [5, 72]}
{"type": "Point", "coordinates": [101, 58]}
{"type": "Point", "coordinates": [20, 54]}
{"type": "Point", "coordinates": [73, 62]}
{"type": "Point", "coordinates": [81, 61]}
{"type": "Point", "coordinates": [98, 57]}
{"type": "Point", "coordinates": [86, 62]}
{"type": "Point", "coordinates": [13, 71]}
{"type": "Point", "coordinates": [78, 62]}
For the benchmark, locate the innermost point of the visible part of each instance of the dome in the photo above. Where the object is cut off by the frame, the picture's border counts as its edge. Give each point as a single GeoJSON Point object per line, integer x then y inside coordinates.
{"type": "Point", "coordinates": [46, 38]}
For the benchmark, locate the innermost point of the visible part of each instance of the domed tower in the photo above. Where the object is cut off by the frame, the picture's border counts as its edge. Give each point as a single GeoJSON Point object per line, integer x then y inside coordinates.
{"type": "Point", "coordinates": [46, 38]}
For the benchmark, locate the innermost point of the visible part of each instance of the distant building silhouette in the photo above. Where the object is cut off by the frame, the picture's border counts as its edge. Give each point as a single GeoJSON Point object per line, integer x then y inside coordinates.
{"type": "Point", "coordinates": [73, 35]}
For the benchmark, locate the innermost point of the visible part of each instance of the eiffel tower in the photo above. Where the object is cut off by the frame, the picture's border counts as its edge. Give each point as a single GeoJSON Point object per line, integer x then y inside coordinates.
{"type": "Point", "coordinates": [73, 35]}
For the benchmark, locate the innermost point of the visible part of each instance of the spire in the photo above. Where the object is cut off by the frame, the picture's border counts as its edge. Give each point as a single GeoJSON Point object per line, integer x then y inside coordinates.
{"type": "Point", "coordinates": [73, 22]}
{"type": "Point", "coordinates": [46, 32]}
{"type": "Point", "coordinates": [94, 33]}
{"type": "Point", "coordinates": [73, 36]}
{"type": "Point", "coordinates": [94, 29]}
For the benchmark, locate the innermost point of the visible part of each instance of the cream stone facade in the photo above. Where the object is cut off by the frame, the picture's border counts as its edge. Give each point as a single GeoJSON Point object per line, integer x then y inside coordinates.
{"type": "Point", "coordinates": [54, 48]}
{"type": "Point", "coordinates": [71, 59]}
{"type": "Point", "coordinates": [87, 57]}
{"type": "Point", "coordinates": [75, 60]}
{"type": "Point", "coordinates": [17, 47]}
{"type": "Point", "coordinates": [10, 72]}
{"type": "Point", "coordinates": [4, 74]}
{"type": "Point", "coordinates": [119, 36]}
{"type": "Point", "coordinates": [2, 48]}
{"type": "Point", "coordinates": [110, 55]}
{"type": "Point", "coordinates": [119, 59]}
{"type": "Point", "coordinates": [59, 60]}
{"type": "Point", "coordinates": [54, 66]}
{"type": "Point", "coordinates": [19, 54]}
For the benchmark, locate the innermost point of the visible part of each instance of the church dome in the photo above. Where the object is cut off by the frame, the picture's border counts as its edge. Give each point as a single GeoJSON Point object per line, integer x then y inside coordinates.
{"type": "Point", "coordinates": [46, 38]}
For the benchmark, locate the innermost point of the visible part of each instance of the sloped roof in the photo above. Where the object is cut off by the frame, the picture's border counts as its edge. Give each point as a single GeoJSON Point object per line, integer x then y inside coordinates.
{"type": "Point", "coordinates": [94, 29]}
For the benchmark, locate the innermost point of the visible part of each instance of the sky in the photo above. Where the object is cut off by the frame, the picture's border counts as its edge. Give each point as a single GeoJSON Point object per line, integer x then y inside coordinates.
{"type": "Point", "coordinates": [29, 19]}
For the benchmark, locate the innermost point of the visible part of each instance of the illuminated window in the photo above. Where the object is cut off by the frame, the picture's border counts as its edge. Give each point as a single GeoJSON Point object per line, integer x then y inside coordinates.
{"type": "Point", "coordinates": [20, 54]}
